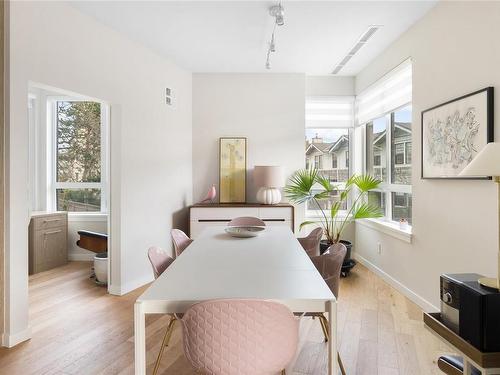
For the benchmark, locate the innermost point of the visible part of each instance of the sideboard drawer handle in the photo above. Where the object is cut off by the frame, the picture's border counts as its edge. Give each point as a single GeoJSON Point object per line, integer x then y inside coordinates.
{"type": "Point", "coordinates": [50, 220]}
{"type": "Point", "coordinates": [214, 220]}
{"type": "Point", "coordinates": [53, 232]}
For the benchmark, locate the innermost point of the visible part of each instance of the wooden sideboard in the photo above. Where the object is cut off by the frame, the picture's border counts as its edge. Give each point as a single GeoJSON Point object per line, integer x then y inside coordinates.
{"type": "Point", "coordinates": [48, 241]}
{"type": "Point", "coordinates": [219, 214]}
{"type": "Point", "coordinates": [485, 363]}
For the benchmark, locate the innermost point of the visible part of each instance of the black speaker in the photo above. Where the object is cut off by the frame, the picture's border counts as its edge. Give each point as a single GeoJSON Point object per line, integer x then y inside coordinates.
{"type": "Point", "coordinates": [472, 310]}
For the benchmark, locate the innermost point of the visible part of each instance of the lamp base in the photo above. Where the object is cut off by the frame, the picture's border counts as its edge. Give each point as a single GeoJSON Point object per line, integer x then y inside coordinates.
{"type": "Point", "coordinates": [489, 282]}
{"type": "Point", "coordinates": [269, 195]}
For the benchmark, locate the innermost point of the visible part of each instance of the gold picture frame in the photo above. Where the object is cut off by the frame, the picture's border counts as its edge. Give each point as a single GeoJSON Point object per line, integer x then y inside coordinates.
{"type": "Point", "coordinates": [232, 169]}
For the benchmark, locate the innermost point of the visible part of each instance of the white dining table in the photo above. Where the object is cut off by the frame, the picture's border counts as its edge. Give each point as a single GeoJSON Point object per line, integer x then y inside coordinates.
{"type": "Point", "coordinates": [272, 266]}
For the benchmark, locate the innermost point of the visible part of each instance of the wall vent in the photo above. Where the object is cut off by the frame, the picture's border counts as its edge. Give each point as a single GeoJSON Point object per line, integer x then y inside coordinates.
{"type": "Point", "coordinates": [169, 96]}
{"type": "Point", "coordinates": [365, 37]}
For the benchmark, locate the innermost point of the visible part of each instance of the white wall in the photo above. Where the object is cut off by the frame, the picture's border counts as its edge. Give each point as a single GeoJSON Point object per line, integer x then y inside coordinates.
{"type": "Point", "coordinates": [455, 224]}
{"type": "Point", "coordinates": [329, 86]}
{"type": "Point", "coordinates": [268, 109]}
{"type": "Point", "coordinates": [54, 44]}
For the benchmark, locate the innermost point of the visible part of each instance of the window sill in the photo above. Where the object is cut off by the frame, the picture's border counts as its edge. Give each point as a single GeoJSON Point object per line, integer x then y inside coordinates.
{"type": "Point", "coordinates": [386, 227]}
{"type": "Point", "coordinates": [90, 216]}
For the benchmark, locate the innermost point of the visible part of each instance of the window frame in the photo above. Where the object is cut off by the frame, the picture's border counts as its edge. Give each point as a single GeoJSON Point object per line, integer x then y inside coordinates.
{"type": "Point", "coordinates": [387, 187]}
{"type": "Point", "coordinates": [54, 185]}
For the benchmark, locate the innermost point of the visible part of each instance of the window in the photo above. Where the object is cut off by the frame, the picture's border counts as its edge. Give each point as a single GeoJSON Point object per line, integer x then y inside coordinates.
{"type": "Point", "coordinates": [389, 138]}
{"type": "Point", "coordinates": [329, 123]}
{"type": "Point", "coordinates": [408, 152]}
{"type": "Point", "coordinates": [318, 162]}
{"type": "Point", "coordinates": [399, 157]}
{"type": "Point", "coordinates": [376, 148]}
{"type": "Point", "coordinates": [79, 163]}
{"type": "Point", "coordinates": [400, 142]}
{"type": "Point", "coordinates": [384, 110]}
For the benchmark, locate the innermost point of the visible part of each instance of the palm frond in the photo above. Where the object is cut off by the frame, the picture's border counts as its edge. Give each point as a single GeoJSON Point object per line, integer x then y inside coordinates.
{"type": "Point", "coordinates": [324, 182]}
{"type": "Point", "coordinates": [335, 209]}
{"type": "Point", "coordinates": [299, 188]}
{"type": "Point", "coordinates": [305, 223]}
{"type": "Point", "coordinates": [322, 195]}
{"type": "Point", "coordinates": [366, 211]}
{"type": "Point", "coordinates": [366, 182]}
{"type": "Point", "coordinates": [343, 194]}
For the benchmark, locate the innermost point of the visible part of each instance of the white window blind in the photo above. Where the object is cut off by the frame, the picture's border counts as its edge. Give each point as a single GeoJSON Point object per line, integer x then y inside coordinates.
{"type": "Point", "coordinates": [330, 112]}
{"type": "Point", "coordinates": [387, 94]}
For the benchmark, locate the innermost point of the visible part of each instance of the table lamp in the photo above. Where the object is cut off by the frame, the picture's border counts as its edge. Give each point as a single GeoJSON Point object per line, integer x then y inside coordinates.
{"type": "Point", "coordinates": [269, 179]}
{"type": "Point", "coordinates": [487, 163]}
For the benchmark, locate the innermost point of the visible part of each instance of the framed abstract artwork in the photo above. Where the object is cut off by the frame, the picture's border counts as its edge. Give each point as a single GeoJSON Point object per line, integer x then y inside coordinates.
{"type": "Point", "coordinates": [232, 170]}
{"type": "Point", "coordinates": [453, 133]}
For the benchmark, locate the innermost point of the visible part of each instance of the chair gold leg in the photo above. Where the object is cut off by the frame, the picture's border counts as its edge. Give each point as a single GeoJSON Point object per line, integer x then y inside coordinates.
{"type": "Point", "coordinates": [166, 339]}
{"type": "Point", "coordinates": [283, 372]}
{"type": "Point", "coordinates": [341, 365]}
{"type": "Point", "coordinates": [324, 326]}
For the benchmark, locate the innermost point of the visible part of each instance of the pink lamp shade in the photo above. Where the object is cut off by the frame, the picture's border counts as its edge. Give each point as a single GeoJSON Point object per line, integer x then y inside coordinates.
{"type": "Point", "coordinates": [268, 176]}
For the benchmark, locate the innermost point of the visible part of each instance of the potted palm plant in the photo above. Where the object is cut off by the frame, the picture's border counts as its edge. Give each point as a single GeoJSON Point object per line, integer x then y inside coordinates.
{"type": "Point", "coordinates": [308, 185]}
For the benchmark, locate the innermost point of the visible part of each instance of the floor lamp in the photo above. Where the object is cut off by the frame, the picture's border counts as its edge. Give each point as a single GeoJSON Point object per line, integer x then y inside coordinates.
{"type": "Point", "coordinates": [487, 163]}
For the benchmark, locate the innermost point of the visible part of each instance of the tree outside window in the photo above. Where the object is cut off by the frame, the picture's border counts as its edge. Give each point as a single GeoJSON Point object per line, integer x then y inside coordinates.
{"type": "Point", "coordinates": [78, 156]}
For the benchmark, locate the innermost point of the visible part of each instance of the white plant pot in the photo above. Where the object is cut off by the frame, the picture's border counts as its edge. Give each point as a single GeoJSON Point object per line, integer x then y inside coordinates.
{"type": "Point", "coordinates": [101, 269]}
{"type": "Point", "coordinates": [269, 195]}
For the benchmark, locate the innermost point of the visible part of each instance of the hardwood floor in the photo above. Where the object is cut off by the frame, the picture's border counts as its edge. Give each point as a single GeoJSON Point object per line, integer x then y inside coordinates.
{"type": "Point", "coordinates": [79, 329]}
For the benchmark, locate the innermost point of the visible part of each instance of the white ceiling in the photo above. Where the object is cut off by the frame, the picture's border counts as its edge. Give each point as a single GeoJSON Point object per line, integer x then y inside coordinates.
{"type": "Point", "coordinates": [232, 36]}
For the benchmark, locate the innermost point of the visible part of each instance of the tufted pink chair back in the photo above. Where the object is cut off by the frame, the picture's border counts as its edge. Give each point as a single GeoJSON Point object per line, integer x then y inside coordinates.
{"type": "Point", "coordinates": [159, 259]}
{"type": "Point", "coordinates": [181, 241]}
{"type": "Point", "coordinates": [239, 337]}
{"type": "Point", "coordinates": [311, 242]}
{"type": "Point", "coordinates": [329, 265]}
{"type": "Point", "coordinates": [246, 221]}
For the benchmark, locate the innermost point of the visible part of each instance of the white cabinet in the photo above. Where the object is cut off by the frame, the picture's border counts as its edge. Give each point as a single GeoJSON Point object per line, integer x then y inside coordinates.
{"type": "Point", "coordinates": [210, 215]}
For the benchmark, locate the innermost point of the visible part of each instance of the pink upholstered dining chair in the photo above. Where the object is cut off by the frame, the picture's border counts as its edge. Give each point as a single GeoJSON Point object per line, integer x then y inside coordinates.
{"type": "Point", "coordinates": [159, 259]}
{"type": "Point", "coordinates": [311, 242]}
{"type": "Point", "coordinates": [244, 337]}
{"type": "Point", "coordinates": [329, 265]}
{"type": "Point", "coordinates": [246, 221]}
{"type": "Point", "coordinates": [181, 241]}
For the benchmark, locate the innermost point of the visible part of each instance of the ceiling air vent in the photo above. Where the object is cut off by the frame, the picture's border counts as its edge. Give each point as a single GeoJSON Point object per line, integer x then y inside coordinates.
{"type": "Point", "coordinates": [360, 43]}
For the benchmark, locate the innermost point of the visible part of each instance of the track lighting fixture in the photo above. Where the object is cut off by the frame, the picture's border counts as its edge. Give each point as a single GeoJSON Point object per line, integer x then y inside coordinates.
{"type": "Point", "coordinates": [278, 13]}
{"type": "Point", "coordinates": [272, 45]}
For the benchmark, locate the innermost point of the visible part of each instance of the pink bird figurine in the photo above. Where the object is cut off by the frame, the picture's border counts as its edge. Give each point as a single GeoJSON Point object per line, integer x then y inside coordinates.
{"type": "Point", "coordinates": [212, 192]}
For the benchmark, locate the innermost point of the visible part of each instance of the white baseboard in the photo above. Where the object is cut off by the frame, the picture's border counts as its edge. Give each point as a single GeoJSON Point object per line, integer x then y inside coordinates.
{"type": "Point", "coordinates": [79, 257]}
{"type": "Point", "coordinates": [120, 290]}
{"type": "Point", "coordinates": [410, 294]}
{"type": "Point", "coordinates": [10, 340]}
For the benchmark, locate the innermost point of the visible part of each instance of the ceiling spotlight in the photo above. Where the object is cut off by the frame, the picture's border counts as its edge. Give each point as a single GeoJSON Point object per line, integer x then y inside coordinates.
{"type": "Point", "coordinates": [278, 13]}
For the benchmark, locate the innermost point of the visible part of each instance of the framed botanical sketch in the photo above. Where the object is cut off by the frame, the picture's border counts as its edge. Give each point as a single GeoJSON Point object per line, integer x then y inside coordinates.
{"type": "Point", "coordinates": [453, 133]}
{"type": "Point", "coordinates": [232, 170]}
